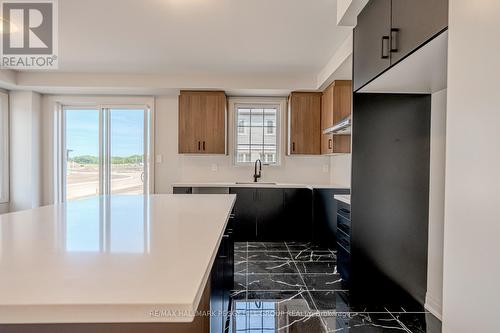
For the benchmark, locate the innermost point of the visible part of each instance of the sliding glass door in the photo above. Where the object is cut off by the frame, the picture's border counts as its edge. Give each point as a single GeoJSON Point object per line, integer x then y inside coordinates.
{"type": "Point", "coordinates": [127, 151]}
{"type": "Point", "coordinates": [106, 151]}
{"type": "Point", "coordinates": [83, 172]}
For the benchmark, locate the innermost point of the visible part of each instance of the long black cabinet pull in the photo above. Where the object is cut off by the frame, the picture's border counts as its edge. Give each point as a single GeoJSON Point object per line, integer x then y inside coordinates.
{"type": "Point", "coordinates": [199, 145]}
{"type": "Point", "coordinates": [293, 146]}
{"type": "Point", "coordinates": [203, 145]}
{"type": "Point", "coordinates": [330, 143]}
{"type": "Point", "coordinates": [394, 40]}
{"type": "Point", "coordinates": [385, 47]}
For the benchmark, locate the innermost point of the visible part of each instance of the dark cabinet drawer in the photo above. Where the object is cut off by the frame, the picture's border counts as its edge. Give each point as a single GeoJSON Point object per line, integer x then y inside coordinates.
{"type": "Point", "coordinates": [343, 263]}
{"type": "Point", "coordinates": [343, 225]}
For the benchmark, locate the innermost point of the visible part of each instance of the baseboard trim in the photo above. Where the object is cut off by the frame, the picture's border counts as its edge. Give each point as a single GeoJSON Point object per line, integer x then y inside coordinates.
{"type": "Point", "coordinates": [433, 306]}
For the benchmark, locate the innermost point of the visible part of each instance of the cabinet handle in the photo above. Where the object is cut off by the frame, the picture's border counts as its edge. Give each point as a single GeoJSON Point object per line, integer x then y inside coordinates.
{"type": "Point", "coordinates": [330, 144]}
{"type": "Point", "coordinates": [394, 39]}
{"type": "Point", "coordinates": [293, 146]}
{"type": "Point", "coordinates": [385, 47]}
{"type": "Point", "coordinates": [203, 145]}
{"type": "Point", "coordinates": [199, 145]}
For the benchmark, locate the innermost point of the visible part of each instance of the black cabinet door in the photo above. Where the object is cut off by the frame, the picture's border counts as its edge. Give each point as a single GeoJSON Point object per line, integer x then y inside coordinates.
{"type": "Point", "coordinates": [270, 214]}
{"type": "Point", "coordinates": [415, 22]}
{"type": "Point", "coordinates": [372, 41]}
{"type": "Point", "coordinates": [298, 214]}
{"type": "Point", "coordinates": [245, 214]}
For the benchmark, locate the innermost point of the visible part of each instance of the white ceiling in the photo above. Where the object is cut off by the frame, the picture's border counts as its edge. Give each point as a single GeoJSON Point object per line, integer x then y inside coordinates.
{"type": "Point", "coordinates": [202, 37]}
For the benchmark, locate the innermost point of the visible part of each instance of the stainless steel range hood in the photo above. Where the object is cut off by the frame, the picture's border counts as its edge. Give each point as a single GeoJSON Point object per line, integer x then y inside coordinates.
{"type": "Point", "coordinates": [343, 127]}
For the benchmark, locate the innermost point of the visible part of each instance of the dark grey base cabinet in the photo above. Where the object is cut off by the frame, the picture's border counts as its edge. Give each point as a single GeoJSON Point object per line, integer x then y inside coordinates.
{"type": "Point", "coordinates": [221, 282]}
{"type": "Point", "coordinates": [389, 30]}
{"type": "Point", "coordinates": [272, 214]}
{"type": "Point", "coordinates": [344, 240]}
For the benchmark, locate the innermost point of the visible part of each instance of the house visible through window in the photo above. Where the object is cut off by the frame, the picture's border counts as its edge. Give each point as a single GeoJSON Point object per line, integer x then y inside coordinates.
{"type": "Point", "coordinates": [257, 134]}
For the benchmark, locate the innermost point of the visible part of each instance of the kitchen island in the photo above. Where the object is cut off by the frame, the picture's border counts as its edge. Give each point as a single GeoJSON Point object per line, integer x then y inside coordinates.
{"type": "Point", "coordinates": [110, 259]}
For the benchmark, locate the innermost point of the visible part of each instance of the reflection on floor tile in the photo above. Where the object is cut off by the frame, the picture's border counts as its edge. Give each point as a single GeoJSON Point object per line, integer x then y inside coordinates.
{"type": "Point", "coordinates": [294, 287]}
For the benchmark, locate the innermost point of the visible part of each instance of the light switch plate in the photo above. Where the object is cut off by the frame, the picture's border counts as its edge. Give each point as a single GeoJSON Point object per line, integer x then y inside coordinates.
{"type": "Point", "coordinates": [326, 168]}
{"type": "Point", "coordinates": [159, 159]}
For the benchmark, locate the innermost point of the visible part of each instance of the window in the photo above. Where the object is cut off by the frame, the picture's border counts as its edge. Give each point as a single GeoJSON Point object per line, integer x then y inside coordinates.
{"type": "Point", "coordinates": [106, 151]}
{"type": "Point", "coordinates": [257, 133]}
{"type": "Point", "coordinates": [4, 147]}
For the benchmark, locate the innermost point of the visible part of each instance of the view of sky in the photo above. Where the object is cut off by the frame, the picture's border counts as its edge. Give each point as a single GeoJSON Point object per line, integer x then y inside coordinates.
{"type": "Point", "coordinates": [127, 132]}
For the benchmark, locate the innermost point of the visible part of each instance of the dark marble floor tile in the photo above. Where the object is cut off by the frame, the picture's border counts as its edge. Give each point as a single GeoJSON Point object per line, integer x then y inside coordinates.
{"type": "Point", "coordinates": [285, 311]}
{"type": "Point", "coordinates": [424, 322]}
{"type": "Point", "coordinates": [363, 323]}
{"type": "Point", "coordinates": [331, 300]}
{"type": "Point", "coordinates": [312, 256]}
{"type": "Point", "coordinates": [240, 282]}
{"type": "Point", "coordinates": [323, 282]}
{"type": "Point", "coordinates": [273, 267]}
{"type": "Point", "coordinates": [240, 267]}
{"type": "Point", "coordinates": [240, 256]}
{"type": "Point", "coordinates": [275, 282]}
{"type": "Point", "coordinates": [268, 256]}
{"type": "Point", "coordinates": [240, 246]}
{"type": "Point", "coordinates": [279, 296]}
{"type": "Point", "coordinates": [307, 267]}
{"type": "Point", "coordinates": [267, 246]}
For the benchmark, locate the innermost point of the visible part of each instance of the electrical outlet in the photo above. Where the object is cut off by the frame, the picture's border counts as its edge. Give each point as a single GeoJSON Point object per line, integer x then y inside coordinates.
{"type": "Point", "coordinates": [215, 168]}
{"type": "Point", "coordinates": [159, 159]}
{"type": "Point", "coordinates": [326, 168]}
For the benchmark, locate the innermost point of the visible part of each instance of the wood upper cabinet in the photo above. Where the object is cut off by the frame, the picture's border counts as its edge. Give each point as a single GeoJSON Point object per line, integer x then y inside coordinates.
{"type": "Point", "coordinates": [336, 102]}
{"type": "Point", "coordinates": [202, 122]}
{"type": "Point", "coordinates": [305, 123]}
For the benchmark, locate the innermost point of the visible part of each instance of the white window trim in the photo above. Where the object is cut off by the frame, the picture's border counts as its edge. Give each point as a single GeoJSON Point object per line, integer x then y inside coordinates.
{"type": "Point", "coordinates": [104, 102]}
{"type": "Point", "coordinates": [279, 102]}
{"type": "Point", "coordinates": [4, 146]}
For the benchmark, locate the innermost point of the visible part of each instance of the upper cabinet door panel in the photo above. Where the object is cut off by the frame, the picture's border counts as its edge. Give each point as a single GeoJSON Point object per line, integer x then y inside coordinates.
{"type": "Point", "coordinates": [305, 123]}
{"type": "Point", "coordinates": [327, 107]}
{"type": "Point", "coordinates": [415, 22]}
{"type": "Point", "coordinates": [190, 116]}
{"type": "Point", "coordinates": [214, 139]}
{"type": "Point", "coordinates": [371, 41]}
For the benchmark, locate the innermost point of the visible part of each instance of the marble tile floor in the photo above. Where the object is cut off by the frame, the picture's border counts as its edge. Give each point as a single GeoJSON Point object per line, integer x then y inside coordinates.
{"type": "Point", "coordinates": [295, 287]}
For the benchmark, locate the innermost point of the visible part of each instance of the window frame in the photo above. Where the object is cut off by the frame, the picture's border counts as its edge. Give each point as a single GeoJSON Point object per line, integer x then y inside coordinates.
{"type": "Point", "coordinates": [59, 103]}
{"type": "Point", "coordinates": [4, 147]}
{"type": "Point", "coordinates": [257, 103]}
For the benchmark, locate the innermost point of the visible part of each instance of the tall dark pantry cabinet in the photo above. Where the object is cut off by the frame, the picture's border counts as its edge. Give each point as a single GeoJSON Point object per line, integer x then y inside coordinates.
{"type": "Point", "coordinates": [391, 152]}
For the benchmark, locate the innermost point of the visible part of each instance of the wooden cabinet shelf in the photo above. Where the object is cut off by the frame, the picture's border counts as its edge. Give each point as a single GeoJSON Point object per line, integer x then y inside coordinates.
{"type": "Point", "coordinates": [202, 122]}
{"type": "Point", "coordinates": [336, 105]}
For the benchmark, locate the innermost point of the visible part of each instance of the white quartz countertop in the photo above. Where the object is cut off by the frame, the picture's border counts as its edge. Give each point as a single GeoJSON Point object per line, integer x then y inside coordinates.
{"type": "Point", "coordinates": [346, 198]}
{"type": "Point", "coordinates": [259, 184]}
{"type": "Point", "coordinates": [110, 259]}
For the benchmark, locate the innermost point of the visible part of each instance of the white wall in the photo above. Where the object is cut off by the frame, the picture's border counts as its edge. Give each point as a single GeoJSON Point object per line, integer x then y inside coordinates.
{"type": "Point", "coordinates": [191, 168]}
{"type": "Point", "coordinates": [434, 296]}
{"type": "Point", "coordinates": [472, 208]}
{"type": "Point", "coordinates": [25, 150]}
{"type": "Point", "coordinates": [4, 208]}
{"type": "Point", "coordinates": [340, 169]}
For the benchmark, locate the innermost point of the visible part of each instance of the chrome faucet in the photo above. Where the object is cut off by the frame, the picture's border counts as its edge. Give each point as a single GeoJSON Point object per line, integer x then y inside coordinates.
{"type": "Point", "coordinates": [255, 175]}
